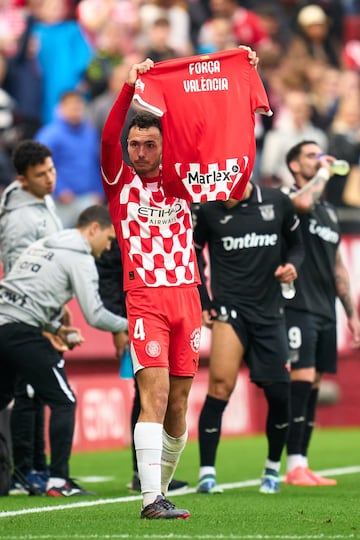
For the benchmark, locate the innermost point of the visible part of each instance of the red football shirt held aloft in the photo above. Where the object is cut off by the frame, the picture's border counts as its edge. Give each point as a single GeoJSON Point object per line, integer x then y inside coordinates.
{"type": "Point", "coordinates": [207, 105]}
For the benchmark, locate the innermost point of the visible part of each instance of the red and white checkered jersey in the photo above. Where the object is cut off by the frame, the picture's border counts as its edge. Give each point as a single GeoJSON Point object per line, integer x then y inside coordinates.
{"type": "Point", "coordinates": [207, 106]}
{"type": "Point", "coordinates": [154, 232]}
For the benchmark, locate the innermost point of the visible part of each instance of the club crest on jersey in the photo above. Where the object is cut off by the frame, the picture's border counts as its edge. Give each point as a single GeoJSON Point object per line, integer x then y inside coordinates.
{"type": "Point", "coordinates": [267, 212]}
{"type": "Point", "coordinates": [195, 340]}
{"type": "Point", "coordinates": [139, 85]}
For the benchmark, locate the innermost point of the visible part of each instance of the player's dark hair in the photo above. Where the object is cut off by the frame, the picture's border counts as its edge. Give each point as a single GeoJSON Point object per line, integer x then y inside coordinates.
{"type": "Point", "coordinates": [97, 213]}
{"type": "Point", "coordinates": [295, 152]}
{"type": "Point", "coordinates": [29, 153]}
{"type": "Point", "coordinates": [145, 120]}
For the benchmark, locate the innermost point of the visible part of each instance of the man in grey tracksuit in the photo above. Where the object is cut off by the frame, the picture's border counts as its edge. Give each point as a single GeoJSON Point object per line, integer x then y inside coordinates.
{"type": "Point", "coordinates": [32, 296]}
{"type": "Point", "coordinates": [28, 213]}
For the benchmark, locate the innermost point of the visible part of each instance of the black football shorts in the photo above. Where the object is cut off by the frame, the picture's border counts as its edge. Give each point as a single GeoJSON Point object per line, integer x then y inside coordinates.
{"type": "Point", "coordinates": [312, 341]}
{"type": "Point", "coordinates": [266, 346]}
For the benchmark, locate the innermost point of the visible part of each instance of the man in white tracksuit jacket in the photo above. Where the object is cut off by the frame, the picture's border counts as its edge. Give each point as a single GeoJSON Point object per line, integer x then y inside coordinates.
{"type": "Point", "coordinates": [32, 297]}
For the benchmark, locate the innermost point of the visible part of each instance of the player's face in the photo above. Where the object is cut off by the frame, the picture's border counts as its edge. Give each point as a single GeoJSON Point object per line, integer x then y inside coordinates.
{"type": "Point", "coordinates": [101, 239]}
{"type": "Point", "coordinates": [39, 179]}
{"type": "Point", "coordinates": [308, 161]}
{"type": "Point", "coordinates": [144, 147]}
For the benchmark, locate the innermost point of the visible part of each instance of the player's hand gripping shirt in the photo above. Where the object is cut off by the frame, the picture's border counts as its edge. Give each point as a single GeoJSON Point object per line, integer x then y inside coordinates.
{"type": "Point", "coordinates": [154, 231]}
{"type": "Point", "coordinates": [207, 105]}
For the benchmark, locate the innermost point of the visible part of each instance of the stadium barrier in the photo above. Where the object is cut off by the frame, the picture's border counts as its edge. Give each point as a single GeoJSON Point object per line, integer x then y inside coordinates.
{"type": "Point", "coordinates": [105, 400]}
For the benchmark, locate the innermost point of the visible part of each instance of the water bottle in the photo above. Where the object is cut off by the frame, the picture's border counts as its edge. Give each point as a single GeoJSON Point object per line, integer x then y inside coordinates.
{"type": "Point", "coordinates": [73, 338]}
{"type": "Point", "coordinates": [126, 368]}
{"type": "Point", "coordinates": [288, 290]}
{"type": "Point", "coordinates": [340, 167]}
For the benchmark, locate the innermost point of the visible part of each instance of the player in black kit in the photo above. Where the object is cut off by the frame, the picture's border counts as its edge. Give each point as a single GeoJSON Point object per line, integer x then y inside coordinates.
{"type": "Point", "coordinates": [310, 315]}
{"type": "Point", "coordinates": [254, 245]}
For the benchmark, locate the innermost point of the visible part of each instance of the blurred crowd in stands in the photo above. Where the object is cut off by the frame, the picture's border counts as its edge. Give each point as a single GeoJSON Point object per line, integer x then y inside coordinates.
{"type": "Point", "coordinates": [63, 62]}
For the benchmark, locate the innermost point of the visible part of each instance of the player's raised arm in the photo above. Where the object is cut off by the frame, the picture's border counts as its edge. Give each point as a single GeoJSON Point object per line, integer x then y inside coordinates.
{"type": "Point", "coordinates": [111, 150]}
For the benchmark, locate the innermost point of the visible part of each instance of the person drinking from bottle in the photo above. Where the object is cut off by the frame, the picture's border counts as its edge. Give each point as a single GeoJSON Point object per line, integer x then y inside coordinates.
{"type": "Point", "coordinates": [310, 314]}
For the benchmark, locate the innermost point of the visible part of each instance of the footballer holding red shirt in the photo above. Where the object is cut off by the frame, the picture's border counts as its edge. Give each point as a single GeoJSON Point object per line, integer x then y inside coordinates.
{"type": "Point", "coordinates": [154, 233]}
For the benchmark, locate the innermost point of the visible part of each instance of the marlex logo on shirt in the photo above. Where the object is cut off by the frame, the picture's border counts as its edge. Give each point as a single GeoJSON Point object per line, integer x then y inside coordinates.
{"type": "Point", "coordinates": [211, 177]}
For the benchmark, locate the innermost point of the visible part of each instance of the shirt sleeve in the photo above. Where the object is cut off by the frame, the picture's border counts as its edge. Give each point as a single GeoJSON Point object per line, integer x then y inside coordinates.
{"type": "Point", "coordinates": [148, 95]}
{"type": "Point", "coordinates": [259, 99]}
{"type": "Point", "coordinates": [85, 282]}
{"type": "Point", "coordinates": [200, 226]}
{"type": "Point", "coordinates": [111, 149]}
{"type": "Point", "coordinates": [110, 270]}
{"type": "Point", "coordinates": [200, 240]}
{"type": "Point", "coordinates": [21, 231]}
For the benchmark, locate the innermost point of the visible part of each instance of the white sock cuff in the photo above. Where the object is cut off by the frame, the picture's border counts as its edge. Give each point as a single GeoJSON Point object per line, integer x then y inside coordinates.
{"type": "Point", "coordinates": [293, 461]}
{"type": "Point", "coordinates": [56, 482]}
{"type": "Point", "coordinates": [148, 435]}
{"type": "Point", "coordinates": [207, 469]}
{"type": "Point", "coordinates": [174, 443]}
{"type": "Point", "coordinates": [275, 465]}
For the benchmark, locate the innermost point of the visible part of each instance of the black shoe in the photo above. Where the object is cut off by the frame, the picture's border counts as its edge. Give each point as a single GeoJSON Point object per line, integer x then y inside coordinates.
{"type": "Point", "coordinates": [162, 508]}
{"type": "Point", "coordinates": [174, 485]}
{"type": "Point", "coordinates": [38, 479]}
{"type": "Point", "coordinates": [21, 485]}
{"type": "Point", "coordinates": [68, 489]}
{"type": "Point", "coordinates": [134, 485]}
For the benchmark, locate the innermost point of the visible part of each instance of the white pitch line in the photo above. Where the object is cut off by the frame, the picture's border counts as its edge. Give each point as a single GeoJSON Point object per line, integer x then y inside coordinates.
{"type": "Point", "coordinates": [172, 536]}
{"type": "Point", "coordinates": [187, 491]}
{"type": "Point", "coordinates": [95, 479]}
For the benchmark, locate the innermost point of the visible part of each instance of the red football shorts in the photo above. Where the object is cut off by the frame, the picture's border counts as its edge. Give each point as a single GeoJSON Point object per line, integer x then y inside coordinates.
{"type": "Point", "coordinates": [164, 328]}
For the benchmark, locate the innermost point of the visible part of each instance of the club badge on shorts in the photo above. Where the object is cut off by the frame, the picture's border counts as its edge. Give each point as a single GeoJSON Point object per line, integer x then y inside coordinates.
{"type": "Point", "coordinates": [153, 349]}
{"type": "Point", "coordinates": [195, 340]}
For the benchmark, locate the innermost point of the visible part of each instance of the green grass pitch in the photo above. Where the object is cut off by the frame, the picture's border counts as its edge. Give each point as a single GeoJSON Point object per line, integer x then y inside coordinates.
{"type": "Point", "coordinates": [241, 512]}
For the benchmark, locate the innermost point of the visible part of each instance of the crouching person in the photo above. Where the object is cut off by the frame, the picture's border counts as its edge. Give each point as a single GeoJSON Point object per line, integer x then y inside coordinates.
{"type": "Point", "coordinates": [32, 297]}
